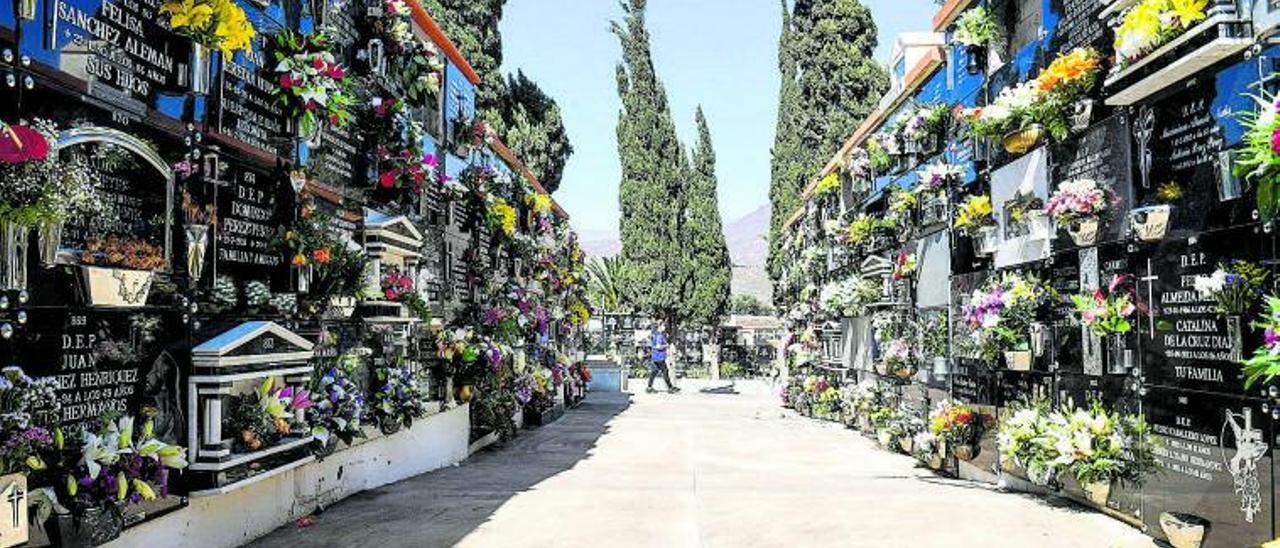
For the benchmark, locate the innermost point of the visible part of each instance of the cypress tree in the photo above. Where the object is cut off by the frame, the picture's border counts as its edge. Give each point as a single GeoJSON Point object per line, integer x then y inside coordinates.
{"type": "Point", "coordinates": [651, 191]}
{"type": "Point", "coordinates": [829, 84]}
{"type": "Point", "coordinates": [535, 131]}
{"type": "Point", "coordinates": [710, 271]}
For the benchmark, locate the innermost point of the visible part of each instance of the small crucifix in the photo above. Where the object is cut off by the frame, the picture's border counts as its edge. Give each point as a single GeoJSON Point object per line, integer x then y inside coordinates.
{"type": "Point", "coordinates": [1151, 279]}
{"type": "Point", "coordinates": [17, 497]}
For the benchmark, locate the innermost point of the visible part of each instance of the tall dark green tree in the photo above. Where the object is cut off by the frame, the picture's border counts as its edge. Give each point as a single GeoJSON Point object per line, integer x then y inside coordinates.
{"type": "Point", "coordinates": [651, 191]}
{"type": "Point", "coordinates": [535, 131]}
{"type": "Point", "coordinates": [709, 270]}
{"type": "Point", "coordinates": [829, 84]}
{"type": "Point", "coordinates": [527, 119]}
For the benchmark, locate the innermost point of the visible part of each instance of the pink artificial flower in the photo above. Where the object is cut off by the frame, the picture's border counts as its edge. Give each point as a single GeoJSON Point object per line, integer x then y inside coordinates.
{"type": "Point", "coordinates": [336, 72]}
{"type": "Point", "coordinates": [1271, 338]}
{"type": "Point", "coordinates": [317, 63]}
{"type": "Point", "coordinates": [286, 81]}
{"type": "Point", "coordinates": [1275, 141]}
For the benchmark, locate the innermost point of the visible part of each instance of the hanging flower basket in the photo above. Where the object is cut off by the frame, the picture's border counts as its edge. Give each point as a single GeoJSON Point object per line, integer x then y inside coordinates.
{"type": "Point", "coordinates": [1039, 225]}
{"type": "Point", "coordinates": [1023, 140]}
{"type": "Point", "coordinates": [1084, 232]}
{"type": "Point", "coordinates": [116, 287]}
{"type": "Point", "coordinates": [342, 307]}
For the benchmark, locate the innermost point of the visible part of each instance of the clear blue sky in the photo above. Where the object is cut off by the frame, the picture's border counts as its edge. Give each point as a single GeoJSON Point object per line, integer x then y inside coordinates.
{"type": "Point", "coordinates": [721, 54]}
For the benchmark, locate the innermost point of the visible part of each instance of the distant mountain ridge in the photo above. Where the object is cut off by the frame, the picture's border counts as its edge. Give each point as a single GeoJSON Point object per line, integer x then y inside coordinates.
{"type": "Point", "coordinates": [748, 249]}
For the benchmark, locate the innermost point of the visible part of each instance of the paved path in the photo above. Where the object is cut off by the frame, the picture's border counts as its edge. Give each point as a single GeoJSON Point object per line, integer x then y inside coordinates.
{"type": "Point", "coordinates": [696, 469]}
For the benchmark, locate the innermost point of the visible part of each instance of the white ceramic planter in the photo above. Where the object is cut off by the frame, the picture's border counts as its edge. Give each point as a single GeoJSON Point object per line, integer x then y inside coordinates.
{"type": "Point", "coordinates": [1151, 223]}
{"type": "Point", "coordinates": [1098, 492]}
{"type": "Point", "coordinates": [1018, 360]}
{"type": "Point", "coordinates": [1084, 233]}
{"type": "Point", "coordinates": [116, 287]}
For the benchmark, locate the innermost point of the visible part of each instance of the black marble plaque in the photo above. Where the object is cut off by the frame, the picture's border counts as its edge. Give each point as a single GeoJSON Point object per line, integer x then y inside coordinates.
{"type": "Point", "coordinates": [1020, 387]}
{"type": "Point", "coordinates": [1079, 26]}
{"type": "Point", "coordinates": [135, 194]}
{"type": "Point", "coordinates": [252, 206]}
{"type": "Point", "coordinates": [1186, 343]}
{"type": "Point", "coordinates": [244, 105]}
{"type": "Point", "coordinates": [1101, 153]}
{"type": "Point", "coordinates": [114, 52]}
{"type": "Point", "coordinates": [1216, 464]}
{"type": "Point", "coordinates": [109, 362]}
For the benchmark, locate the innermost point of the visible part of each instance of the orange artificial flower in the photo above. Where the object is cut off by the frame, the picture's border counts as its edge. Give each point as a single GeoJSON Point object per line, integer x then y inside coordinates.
{"type": "Point", "coordinates": [299, 260]}
{"type": "Point", "coordinates": [320, 256]}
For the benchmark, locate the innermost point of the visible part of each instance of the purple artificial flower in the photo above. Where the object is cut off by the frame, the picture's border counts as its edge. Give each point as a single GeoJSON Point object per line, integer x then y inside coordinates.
{"type": "Point", "coordinates": [1271, 338]}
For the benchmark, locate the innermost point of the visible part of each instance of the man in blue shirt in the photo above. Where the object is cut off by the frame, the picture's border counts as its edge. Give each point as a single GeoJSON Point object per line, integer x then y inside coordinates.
{"type": "Point", "coordinates": [658, 349]}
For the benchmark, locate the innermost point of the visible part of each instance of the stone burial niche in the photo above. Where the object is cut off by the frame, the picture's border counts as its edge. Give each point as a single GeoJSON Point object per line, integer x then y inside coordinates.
{"type": "Point", "coordinates": [245, 421]}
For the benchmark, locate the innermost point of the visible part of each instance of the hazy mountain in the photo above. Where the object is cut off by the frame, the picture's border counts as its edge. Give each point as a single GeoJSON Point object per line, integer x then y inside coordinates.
{"type": "Point", "coordinates": [748, 248]}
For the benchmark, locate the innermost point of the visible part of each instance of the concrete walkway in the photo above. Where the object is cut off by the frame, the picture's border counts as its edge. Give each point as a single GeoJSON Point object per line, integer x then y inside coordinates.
{"type": "Point", "coordinates": [696, 469]}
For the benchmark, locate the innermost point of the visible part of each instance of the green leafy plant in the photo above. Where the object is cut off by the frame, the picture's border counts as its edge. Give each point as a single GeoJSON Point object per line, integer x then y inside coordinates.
{"type": "Point", "coordinates": [975, 27]}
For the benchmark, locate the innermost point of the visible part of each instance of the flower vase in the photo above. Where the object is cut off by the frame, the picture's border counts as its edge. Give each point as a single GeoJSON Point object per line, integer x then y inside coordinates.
{"type": "Point", "coordinates": [1084, 232]}
{"type": "Point", "coordinates": [1098, 492]}
{"type": "Point", "coordinates": [342, 307]}
{"type": "Point", "coordinates": [1121, 358]}
{"type": "Point", "coordinates": [977, 58]}
{"type": "Point", "coordinates": [1081, 115]}
{"type": "Point", "coordinates": [197, 240]}
{"type": "Point", "coordinates": [13, 243]}
{"type": "Point", "coordinates": [1184, 530]}
{"type": "Point", "coordinates": [904, 372]}
{"type": "Point", "coordinates": [1018, 360]}
{"type": "Point", "coordinates": [1151, 223]}
{"type": "Point", "coordinates": [1039, 225]}
{"type": "Point", "coordinates": [389, 425]}
{"type": "Point", "coordinates": [116, 287]}
{"type": "Point", "coordinates": [935, 460]}
{"type": "Point", "coordinates": [303, 275]}
{"type": "Point", "coordinates": [884, 438]}
{"type": "Point", "coordinates": [200, 69]}
{"type": "Point", "coordinates": [966, 452]}
{"type": "Point", "coordinates": [49, 240]}
{"type": "Point", "coordinates": [27, 10]}
{"type": "Point", "coordinates": [1235, 334]}
{"type": "Point", "coordinates": [986, 241]}
{"type": "Point", "coordinates": [100, 524]}
{"type": "Point", "coordinates": [906, 444]}
{"type": "Point", "coordinates": [1023, 140]}
{"type": "Point", "coordinates": [864, 423]}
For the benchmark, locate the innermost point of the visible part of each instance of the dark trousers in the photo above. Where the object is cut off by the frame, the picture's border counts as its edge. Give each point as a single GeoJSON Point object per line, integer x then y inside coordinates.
{"type": "Point", "coordinates": [659, 367]}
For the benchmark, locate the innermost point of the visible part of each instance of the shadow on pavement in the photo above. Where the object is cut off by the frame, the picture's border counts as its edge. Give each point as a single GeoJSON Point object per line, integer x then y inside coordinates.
{"type": "Point", "coordinates": [728, 389]}
{"type": "Point", "coordinates": [440, 508]}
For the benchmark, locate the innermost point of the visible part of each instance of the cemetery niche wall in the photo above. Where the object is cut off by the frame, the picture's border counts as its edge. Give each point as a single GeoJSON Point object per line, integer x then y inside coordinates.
{"type": "Point", "coordinates": [212, 284]}
{"type": "Point", "coordinates": [1111, 256]}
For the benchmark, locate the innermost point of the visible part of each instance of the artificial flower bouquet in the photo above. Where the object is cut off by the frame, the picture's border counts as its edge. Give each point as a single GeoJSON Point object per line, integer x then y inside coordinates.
{"type": "Point", "coordinates": [959, 425]}
{"type": "Point", "coordinates": [121, 252]}
{"type": "Point", "coordinates": [28, 409]}
{"type": "Point", "coordinates": [1095, 445]}
{"type": "Point", "coordinates": [1043, 102]}
{"type": "Point", "coordinates": [117, 464]}
{"type": "Point", "coordinates": [899, 358]}
{"type": "Point", "coordinates": [913, 128]}
{"type": "Point", "coordinates": [904, 266]}
{"type": "Point", "coordinates": [313, 86]}
{"type": "Point", "coordinates": [1001, 312]}
{"type": "Point", "coordinates": [339, 408]}
{"type": "Point", "coordinates": [827, 185]}
{"type": "Point", "coordinates": [1235, 287]}
{"type": "Point", "coordinates": [1079, 206]}
{"type": "Point", "coordinates": [268, 414]}
{"type": "Point", "coordinates": [39, 185]}
{"type": "Point", "coordinates": [827, 403]}
{"type": "Point", "coordinates": [396, 285]}
{"type": "Point", "coordinates": [216, 24]}
{"type": "Point", "coordinates": [938, 177]}
{"type": "Point", "coordinates": [1108, 312]}
{"type": "Point", "coordinates": [1259, 160]}
{"type": "Point", "coordinates": [848, 297]}
{"type": "Point", "coordinates": [974, 28]}
{"type": "Point", "coordinates": [1153, 23]}
{"type": "Point", "coordinates": [864, 226]}
{"type": "Point", "coordinates": [397, 398]}
{"type": "Point", "coordinates": [1264, 365]}
{"type": "Point", "coordinates": [858, 164]}
{"type": "Point", "coordinates": [975, 214]}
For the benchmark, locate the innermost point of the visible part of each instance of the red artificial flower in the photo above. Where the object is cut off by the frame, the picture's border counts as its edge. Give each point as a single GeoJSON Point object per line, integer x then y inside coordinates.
{"type": "Point", "coordinates": [312, 105]}
{"type": "Point", "coordinates": [336, 72]}
{"type": "Point", "coordinates": [286, 81]}
{"type": "Point", "coordinates": [388, 178]}
{"type": "Point", "coordinates": [318, 63]}
{"type": "Point", "coordinates": [333, 119]}
{"type": "Point", "coordinates": [21, 143]}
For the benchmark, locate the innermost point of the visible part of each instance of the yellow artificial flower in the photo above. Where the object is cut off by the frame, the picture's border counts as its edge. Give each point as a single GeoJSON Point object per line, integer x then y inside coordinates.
{"type": "Point", "coordinates": [187, 14]}
{"type": "Point", "coordinates": [541, 203]}
{"type": "Point", "coordinates": [1188, 11]}
{"type": "Point", "coordinates": [507, 215]}
{"type": "Point", "coordinates": [828, 184]}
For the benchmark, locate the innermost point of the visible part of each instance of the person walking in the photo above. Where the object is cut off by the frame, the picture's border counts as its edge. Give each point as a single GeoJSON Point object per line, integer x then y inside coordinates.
{"type": "Point", "coordinates": [658, 351]}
